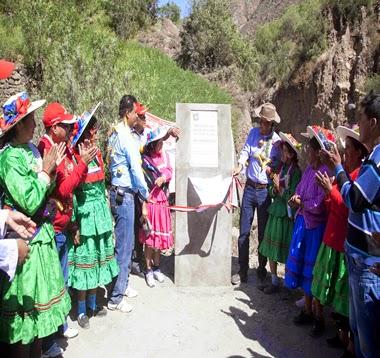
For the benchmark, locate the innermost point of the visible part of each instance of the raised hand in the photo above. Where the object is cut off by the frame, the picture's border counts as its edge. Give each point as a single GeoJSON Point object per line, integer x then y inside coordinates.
{"type": "Point", "coordinates": [324, 181]}
{"type": "Point", "coordinates": [331, 157]}
{"type": "Point", "coordinates": [61, 152]}
{"type": "Point", "coordinates": [49, 162]}
{"type": "Point", "coordinates": [87, 152]}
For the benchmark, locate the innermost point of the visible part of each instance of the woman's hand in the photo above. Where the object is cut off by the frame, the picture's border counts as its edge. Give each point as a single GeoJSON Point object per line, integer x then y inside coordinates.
{"type": "Point", "coordinates": [49, 162]}
{"type": "Point", "coordinates": [76, 238]}
{"type": "Point", "coordinates": [61, 153]}
{"type": "Point", "coordinates": [160, 181]}
{"type": "Point", "coordinates": [87, 152]}
{"type": "Point", "coordinates": [324, 181]}
{"type": "Point", "coordinates": [276, 182]}
{"type": "Point", "coordinates": [144, 211]}
{"type": "Point", "coordinates": [295, 201]}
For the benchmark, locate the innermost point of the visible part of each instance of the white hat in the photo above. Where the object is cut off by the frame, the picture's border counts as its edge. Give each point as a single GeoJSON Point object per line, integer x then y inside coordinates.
{"type": "Point", "coordinates": [344, 132]}
{"type": "Point", "coordinates": [288, 138]}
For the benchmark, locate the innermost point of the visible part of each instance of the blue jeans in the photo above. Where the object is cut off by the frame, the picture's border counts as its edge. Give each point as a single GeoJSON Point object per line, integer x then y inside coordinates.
{"type": "Point", "coordinates": [124, 215]}
{"type": "Point", "coordinates": [61, 243]}
{"type": "Point", "coordinates": [252, 199]}
{"type": "Point", "coordinates": [364, 297]}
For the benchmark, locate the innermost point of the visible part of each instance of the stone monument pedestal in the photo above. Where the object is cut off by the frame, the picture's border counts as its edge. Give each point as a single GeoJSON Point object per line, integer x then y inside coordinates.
{"type": "Point", "coordinates": [204, 162]}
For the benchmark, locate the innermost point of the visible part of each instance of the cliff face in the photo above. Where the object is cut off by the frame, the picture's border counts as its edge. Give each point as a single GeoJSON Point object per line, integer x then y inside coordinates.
{"type": "Point", "coordinates": [321, 91]}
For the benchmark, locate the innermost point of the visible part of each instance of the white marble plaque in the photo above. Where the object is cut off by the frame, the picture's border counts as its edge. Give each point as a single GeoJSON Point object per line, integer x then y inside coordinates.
{"type": "Point", "coordinates": [204, 139]}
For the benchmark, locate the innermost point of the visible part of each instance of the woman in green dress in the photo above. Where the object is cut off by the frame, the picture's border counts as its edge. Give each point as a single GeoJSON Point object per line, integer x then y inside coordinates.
{"type": "Point", "coordinates": [35, 303]}
{"type": "Point", "coordinates": [279, 228]}
{"type": "Point", "coordinates": [91, 253]}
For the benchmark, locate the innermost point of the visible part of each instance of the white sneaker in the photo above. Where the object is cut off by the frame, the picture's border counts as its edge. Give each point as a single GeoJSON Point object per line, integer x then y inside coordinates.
{"type": "Point", "coordinates": [123, 306]}
{"type": "Point", "coordinates": [158, 275]}
{"type": "Point", "coordinates": [301, 302]}
{"type": "Point", "coordinates": [70, 333]}
{"type": "Point", "coordinates": [54, 351]}
{"type": "Point", "coordinates": [149, 278]}
{"type": "Point", "coordinates": [130, 292]}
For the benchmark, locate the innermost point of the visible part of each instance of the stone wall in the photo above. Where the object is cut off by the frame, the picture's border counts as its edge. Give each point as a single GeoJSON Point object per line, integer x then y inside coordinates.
{"type": "Point", "coordinates": [16, 83]}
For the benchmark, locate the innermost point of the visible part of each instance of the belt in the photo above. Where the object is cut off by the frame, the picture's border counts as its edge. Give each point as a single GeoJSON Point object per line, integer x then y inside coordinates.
{"type": "Point", "coordinates": [255, 184]}
{"type": "Point", "coordinates": [124, 188]}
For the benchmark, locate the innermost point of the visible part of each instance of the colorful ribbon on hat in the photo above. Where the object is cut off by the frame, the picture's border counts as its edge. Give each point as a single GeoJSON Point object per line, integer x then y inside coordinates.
{"type": "Point", "coordinates": [79, 127]}
{"type": "Point", "coordinates": [323, 132]}
{"type": "Point", "coordinates": [12, 110]}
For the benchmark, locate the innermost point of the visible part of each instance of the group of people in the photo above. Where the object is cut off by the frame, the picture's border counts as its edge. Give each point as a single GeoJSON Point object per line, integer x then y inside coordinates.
{"type": "Point", "coordinates": [323, 224]}
{"type": "Point", "coordinates": [59, 228]}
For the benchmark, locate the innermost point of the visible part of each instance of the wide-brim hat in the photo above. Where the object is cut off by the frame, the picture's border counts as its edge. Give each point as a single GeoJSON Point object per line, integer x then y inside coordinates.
{"type": "Point", "coordinates": [82, 123]}
{"type": "Point", "coordinates": [15, 109]}
{"type": "Point", "coordinates": [156, 135]}
{"type": "Point", "coordinates": [288, 138]}
{"type": "Point", "coordinates": [6, 69]}
{"type": "Point", "coordinates": [344, 132]}
{"type": "Point", "coordinates": [268, 112]}
{"type": "Point", "coordinates": [322, 135]}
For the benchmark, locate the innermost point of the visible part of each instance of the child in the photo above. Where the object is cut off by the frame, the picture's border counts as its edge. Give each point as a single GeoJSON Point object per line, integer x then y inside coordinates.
{"type": "Point", "coordinates": [309, 225]}
{"type": "Point", "coordinates": [278, 231]}
{"type": "Point", "coordinates": [91, 254]}
{"type": "Point", "coordinates": [159, 236]}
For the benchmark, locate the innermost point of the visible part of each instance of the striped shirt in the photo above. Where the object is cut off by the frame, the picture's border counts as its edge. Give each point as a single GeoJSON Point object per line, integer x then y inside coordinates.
{"type": "Point", "coordinates": [362, 198]}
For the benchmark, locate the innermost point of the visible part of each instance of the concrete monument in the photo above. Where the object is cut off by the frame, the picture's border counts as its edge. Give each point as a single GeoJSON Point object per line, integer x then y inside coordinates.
{"type": "Point", "coordinates": [204, 162]}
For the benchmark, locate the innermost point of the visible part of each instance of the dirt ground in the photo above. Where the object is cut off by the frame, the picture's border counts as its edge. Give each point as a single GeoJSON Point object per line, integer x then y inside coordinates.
{"type": "Point", "coordinates": [169, 321]}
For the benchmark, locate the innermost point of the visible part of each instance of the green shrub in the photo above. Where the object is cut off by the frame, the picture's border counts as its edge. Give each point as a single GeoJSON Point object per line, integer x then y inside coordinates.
{"type": "Point", "coordinates": [170, 11]}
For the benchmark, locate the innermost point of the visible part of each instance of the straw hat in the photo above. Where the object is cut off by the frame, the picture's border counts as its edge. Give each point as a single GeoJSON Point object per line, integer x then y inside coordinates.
{"type": "Point", "coordinates": [15, 109]}
{"type": "Point", "coordinates": [344, 132]}
{"type": "Point", "coordinates": [82, 123]}
{"type": "Point", "coordinates": [288, 138]}
{"type": "Point", "coordinates": [267, 111]}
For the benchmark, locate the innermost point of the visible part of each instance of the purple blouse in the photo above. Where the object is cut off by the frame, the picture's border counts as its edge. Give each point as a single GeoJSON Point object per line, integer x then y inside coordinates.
{"type": "Point", "coordinates": [312, 196]}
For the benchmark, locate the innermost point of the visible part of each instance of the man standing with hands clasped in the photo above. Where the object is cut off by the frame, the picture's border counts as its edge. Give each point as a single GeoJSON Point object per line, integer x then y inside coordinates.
{"type": "Point", "coordinates": [261, 153]}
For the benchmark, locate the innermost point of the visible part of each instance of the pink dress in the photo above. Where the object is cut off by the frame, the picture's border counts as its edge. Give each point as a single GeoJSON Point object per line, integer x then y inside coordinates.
{"type": "Point", "coordinates": [161, 236]}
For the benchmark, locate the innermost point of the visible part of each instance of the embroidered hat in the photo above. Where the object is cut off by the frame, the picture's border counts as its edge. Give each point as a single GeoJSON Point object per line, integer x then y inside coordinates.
{"type": "Point", "coordinates": [6, 69]}
{"type": "Point", "coordinates": [288, 138]}
{"type": "Point", "coordinates": [344, 132]}
{"type": "Point", "coordinates": [157, 134]}
{"type": "Point", "coordinates": [267, 111]}
{"type": "Point", "coordinates": [82, 123]}
{"type": "Point", "coordinates": [16, 108]}
{"type": "Point", "coordinates": [322, 135]}
{"type": "Point", "coordinates": [55, 113]}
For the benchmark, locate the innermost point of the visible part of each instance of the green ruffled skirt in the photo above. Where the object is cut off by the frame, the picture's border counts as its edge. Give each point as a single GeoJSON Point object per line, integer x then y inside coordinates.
{"type": "Point", "coordinates": [35, 303]}
{"type": "Point", "coordinates": [277, 237]}
{"type": "Point", "coordinates": [92, 263]}
{"type": "Point", "coordinates": [330, 279]}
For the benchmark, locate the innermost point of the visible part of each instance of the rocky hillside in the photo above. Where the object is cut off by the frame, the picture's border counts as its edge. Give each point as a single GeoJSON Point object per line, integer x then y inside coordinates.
{"type": "Point", "coordinates": [321, 90]}
{"type": "Point", "coordinates": [248, 15]}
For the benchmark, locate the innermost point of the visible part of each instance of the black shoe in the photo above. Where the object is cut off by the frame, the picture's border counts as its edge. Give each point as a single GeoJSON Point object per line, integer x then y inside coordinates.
{"type": "Point", "coordinates": [318, 328]}
{"type": "Point", "coordinates": [240, 277]}
{"type": "Point", "coordinates": [261, 273]}
{"type": "Point", "coordinates": [271, 289]}
{"type": "Point", "coordinates": [136, 269]}
{"type": "Point", "coordinates": [303, 318]}
{"type": "Point", "coordinates": [334, 342]}
{"type": "Point", "coordinates": [83, 321]}
{"type": "Point", "coordinates": [99, 312]}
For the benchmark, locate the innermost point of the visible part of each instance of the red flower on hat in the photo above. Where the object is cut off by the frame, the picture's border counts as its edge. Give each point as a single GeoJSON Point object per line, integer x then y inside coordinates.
{"type": "Point", "coordinates": [325, 132]}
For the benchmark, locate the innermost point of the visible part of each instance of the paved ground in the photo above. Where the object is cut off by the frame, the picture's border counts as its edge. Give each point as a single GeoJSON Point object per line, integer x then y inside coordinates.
{"type": "Point", "coordinates": [200, 322]}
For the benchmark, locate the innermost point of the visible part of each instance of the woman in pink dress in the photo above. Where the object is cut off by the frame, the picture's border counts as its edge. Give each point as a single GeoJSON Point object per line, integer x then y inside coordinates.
{"type": "Point", "coordinates": [156, 232]}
